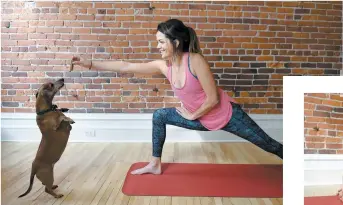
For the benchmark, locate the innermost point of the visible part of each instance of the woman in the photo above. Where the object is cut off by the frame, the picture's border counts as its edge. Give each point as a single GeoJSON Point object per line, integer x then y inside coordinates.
{"type": "Point", "coordinates": [204, 106]}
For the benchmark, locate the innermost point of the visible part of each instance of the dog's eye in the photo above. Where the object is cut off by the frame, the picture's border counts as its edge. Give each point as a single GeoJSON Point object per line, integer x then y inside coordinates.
{"type": "Point", "coordinates": [51, 85]}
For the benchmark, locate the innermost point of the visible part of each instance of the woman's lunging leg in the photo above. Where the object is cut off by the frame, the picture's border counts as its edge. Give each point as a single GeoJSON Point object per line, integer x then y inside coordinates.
{"type": "Point", "coordinates": [243, 126]}
{"type": "Point", "coordinates": [161, 118]}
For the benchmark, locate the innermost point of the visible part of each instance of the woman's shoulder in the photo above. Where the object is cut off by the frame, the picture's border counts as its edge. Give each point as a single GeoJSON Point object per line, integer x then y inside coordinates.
{"type": "Point", "coordinates": [163, 65]}
{"type": "Point", "coordinates": [197, 58]}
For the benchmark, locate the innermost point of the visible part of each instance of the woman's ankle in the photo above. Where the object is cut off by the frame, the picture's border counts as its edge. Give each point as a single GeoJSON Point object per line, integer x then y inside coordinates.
{"type": "Point", "coordinates": [155, 161]}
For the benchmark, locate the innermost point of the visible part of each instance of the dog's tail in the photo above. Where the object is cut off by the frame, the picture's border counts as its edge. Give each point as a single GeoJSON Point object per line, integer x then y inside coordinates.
{"type": "Point", "coordinates": [32, 177]}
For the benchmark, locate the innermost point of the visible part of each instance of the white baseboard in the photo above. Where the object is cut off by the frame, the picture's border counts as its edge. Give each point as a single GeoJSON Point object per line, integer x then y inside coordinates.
{"type": "Point", "coordinates": [121, 127]}
{"type": "Point", "coordinates": [323, 169]}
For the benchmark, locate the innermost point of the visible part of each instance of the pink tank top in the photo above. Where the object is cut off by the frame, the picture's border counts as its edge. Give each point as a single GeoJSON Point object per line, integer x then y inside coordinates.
{"type": "Point", "coordinates": [192, 96]}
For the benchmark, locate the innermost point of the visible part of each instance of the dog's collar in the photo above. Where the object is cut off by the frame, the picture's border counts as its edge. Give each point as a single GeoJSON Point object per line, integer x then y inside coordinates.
{"type": "Point", "coordinates": [53, 108]}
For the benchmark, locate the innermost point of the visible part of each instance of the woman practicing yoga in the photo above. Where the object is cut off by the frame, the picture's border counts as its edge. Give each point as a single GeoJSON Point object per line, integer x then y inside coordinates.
{"type": "Point", "coordinates": [204, 106]}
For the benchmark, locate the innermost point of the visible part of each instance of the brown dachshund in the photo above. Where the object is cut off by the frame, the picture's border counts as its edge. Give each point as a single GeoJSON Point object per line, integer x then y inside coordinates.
{"type": "Point", "coordinates": [55, 128]}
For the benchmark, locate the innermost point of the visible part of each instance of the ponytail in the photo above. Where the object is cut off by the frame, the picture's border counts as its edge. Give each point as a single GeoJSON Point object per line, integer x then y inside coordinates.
{"type": "Point", "coordinates": [194, 45]}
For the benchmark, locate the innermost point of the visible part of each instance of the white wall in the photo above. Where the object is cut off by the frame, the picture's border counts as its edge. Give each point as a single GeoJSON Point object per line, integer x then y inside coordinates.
{"type": "Point", "coordinates": [123, 128]}
{"type": "Point", "coordinates": [323, 169]}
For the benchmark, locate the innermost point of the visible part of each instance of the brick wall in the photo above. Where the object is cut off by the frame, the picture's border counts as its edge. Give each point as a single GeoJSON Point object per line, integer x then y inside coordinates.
{"type": "Point", "coordinates": [323, 123]}
{"type": "Point", "coordinates": [250, 46]}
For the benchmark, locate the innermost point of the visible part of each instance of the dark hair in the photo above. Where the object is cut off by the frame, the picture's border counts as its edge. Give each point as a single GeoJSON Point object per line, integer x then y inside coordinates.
{"type": "Point", "coordinates": [174, 29]}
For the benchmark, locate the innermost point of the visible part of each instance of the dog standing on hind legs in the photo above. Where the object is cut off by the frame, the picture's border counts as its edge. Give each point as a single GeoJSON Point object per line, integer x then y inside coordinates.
{"type": "Point", "coordinates": [55, 128]}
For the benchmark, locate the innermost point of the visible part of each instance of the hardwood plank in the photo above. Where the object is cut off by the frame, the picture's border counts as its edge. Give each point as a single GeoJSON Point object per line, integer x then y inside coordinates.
{"type": "Point", "coordinates": [93, 173]}
{"type": "Point", "coordinates": [10, 148]}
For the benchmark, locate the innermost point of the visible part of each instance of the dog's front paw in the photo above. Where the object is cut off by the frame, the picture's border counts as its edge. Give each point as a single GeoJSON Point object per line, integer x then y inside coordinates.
{"type": "Point", "coordinates": [69, 120]}
{"type": "Point", "coordinates": [58, 196]}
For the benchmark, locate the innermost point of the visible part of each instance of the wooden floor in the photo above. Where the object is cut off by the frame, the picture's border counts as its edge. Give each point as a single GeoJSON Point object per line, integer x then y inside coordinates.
{"type": "Point", "coordinates": [93, 173]}
{"type": "Point", "coordinates": [327, 190]}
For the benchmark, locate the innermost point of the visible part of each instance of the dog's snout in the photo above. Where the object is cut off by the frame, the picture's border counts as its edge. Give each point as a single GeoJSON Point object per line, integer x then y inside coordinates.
{"type": "Point", "coordinates": [62, 79]}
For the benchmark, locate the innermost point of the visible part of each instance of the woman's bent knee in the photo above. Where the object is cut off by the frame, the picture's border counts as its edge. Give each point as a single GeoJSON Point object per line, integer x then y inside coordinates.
{"type": "Point", "coordinates": [159, 115]}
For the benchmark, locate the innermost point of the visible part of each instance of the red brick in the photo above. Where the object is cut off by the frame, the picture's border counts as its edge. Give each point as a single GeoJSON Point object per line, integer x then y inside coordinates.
{"type": "Point", "coordinates": [315, 145]}
{"type": "Point", "coordinates": [131, 110]}
{"type": "Point", "coordinates": [314, 139]}
{"type": "Point", "coordinates": [112, 99]}
{"type": "Point", "coordinates": [25, 110]}
{"type": "Point", "coordinates": [122, 5]}
{"type": "Point", "coordinates": [19, 36]}
{"type": "Point", "coordinates": [160, 5]}
{"type": "Point", "coordinates": [119, 105]}
{"type": "Point", "coordinates": [334, 140]}
{"type": "Point", "coordinates": [103, 5]}
{"type": "Point", "coordinates": [319, 95]}
{"type": "Point", "coordinates": [258, 111]}
{"type": "Point", "coordinates": [313, 100]}
{"type": "Point", "coordinates": [124, 18]}
{"type": "Point", "coordinates": [49, 17]}
{"type": "Point", "coordinates": [45, 4]}
{"type": "Point", "coordinates": [87, 30]}
{"type": "Point", "coordinates": [92, 24]}
{"type": "Point", "coordinates": [335, 121]}
{"type": "Point", "coordinates": [315, 119]}
{"type": "Point", "coordinates": [54, 23]}
{"type": "Point", "coordinates": [137, 105]}
{"type": "Point", "coordinates": [336, 97]}
{"type": "Point", "coordinates": [155, 105]}
{"type": "Point", "coordinates": [332, 103]}
{"type": "Point", "coordinates": [334, 146]}
{"type": "Point", "coordinates": [8, 110]}
{"type": "Point", "coordinates": [308, 113]}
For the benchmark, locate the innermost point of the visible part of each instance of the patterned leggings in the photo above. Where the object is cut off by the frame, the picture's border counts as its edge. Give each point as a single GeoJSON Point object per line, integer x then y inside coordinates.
{"type": "Point", "coordinates": [240, 124]}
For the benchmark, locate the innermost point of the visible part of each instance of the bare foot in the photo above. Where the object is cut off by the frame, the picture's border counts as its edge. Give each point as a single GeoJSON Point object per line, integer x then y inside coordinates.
{"type": "Point", "coordinates": [58, 196]}
{"type": "Point", "coordinates": [340, 194]}
{"type": "Point", "coordinates": [151, 168]}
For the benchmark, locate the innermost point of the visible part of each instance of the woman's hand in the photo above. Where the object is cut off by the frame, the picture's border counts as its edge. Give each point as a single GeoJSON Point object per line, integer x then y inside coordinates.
{"type": "Point", "coordinates": [185, 113]}
{"type": "Point", "coordinates": [77, 61]}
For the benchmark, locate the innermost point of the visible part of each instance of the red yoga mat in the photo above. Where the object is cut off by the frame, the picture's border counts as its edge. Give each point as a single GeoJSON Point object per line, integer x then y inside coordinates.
{"type": "Point", "coordinates": [323, 200]}
{"type": "Point", "coordinates": [207, 180]}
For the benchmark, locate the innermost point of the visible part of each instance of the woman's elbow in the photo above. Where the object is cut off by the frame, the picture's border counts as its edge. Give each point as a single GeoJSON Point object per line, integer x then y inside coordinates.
{"type": "Point", "coordinates": [214, 101]}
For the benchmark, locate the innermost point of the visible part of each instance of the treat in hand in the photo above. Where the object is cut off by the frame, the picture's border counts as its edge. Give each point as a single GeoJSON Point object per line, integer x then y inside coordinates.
{"type": "Point", "coordinates": [83, 64]}
{"type": "Point", "coordinates": [72, 63]}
